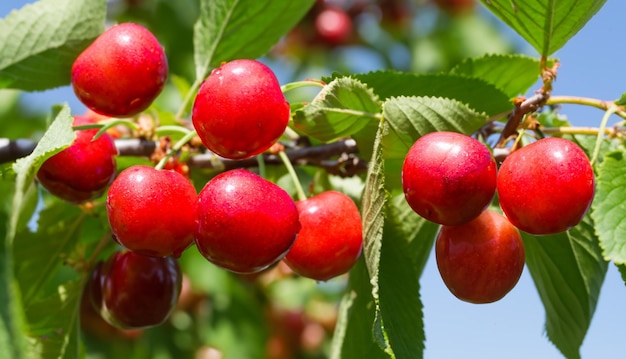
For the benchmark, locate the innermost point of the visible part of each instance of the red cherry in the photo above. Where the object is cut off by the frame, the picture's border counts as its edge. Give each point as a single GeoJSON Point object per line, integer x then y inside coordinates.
{"type": "Point", "coordinates": [331, 237]}
{"type": "Point", "coordinates": [482, 260]}
{"type": "Point", "coordinates": [448, 178]}
{"type": "Point", "coordinates": [245, 222]}
{"type": "Point", "coordinates": [240, 110]}
{"type": "Point", "coordinates": [121, 72]}
{"type": "Point", "coordinates": [333, 25]}
{"type": "Point", "coordinates": [134, 291]}
{"type": "Point", "coordinates": [546, 187]}
{"type": "Point", "coordinates": [152, 212]}
{"type": "Point", "coordinates": [82, 171]}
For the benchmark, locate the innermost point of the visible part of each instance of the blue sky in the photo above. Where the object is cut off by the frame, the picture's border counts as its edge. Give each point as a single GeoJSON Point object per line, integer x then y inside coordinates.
{"type": "Point", "coordinates": [592, 66]}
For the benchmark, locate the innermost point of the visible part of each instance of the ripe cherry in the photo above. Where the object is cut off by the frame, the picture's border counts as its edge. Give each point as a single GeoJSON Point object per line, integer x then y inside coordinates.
{"type": "Point", "coordinates": [448, 178]}
{"type": "Point", "coordinates": [240, 110]}
{"type": "Point", "coordinates": [82, 171]}
{"type": "Point", "coordinates": [121, 72]}
{"type": "Point", "coordinates": [547, 186]}
{"type": "Point", "coordinates": [134, 291]}
{"type": "Point", "coordinates": [330, 240]}
{"type": "Point", "coordinates": [152, 212]}
{"type": "Point", "coordinates": [245, 222]}
{"type": "Point", "coordinates": [482, 260]}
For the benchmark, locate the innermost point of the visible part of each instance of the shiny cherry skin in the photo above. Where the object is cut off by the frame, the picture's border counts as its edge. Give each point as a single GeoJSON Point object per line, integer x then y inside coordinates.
{"type": "Point", "coordinates": [121, 72]}
{"type": "Point", "coordinates": [546, 187]}
{"type": "Point", "coordinates": [152, 212]}
{"type": "Point", "coordinates": [482, 260]}
{"type": "Point", "coordinates": [132, 291]}
{"type": "Point", "coordinates": [240, 110]}
{"type": "Point", "coordinates": [331, 238]}
{"type": "Point", "coordinates": [449, 178]}
{"type": "Point", "coordinates": [245, 222]}
{"type": "Point", "coordinates": [82, 171]}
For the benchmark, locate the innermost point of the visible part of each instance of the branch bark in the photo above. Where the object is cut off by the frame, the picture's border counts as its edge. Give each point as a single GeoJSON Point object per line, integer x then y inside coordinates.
{"type": "Point", "coordinates": [338, 157]}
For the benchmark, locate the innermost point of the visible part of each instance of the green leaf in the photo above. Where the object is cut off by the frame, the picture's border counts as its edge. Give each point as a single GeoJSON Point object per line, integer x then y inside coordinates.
{"type": "Point", "coordinates": [547, 25]}
{"type": "Point", "coordinates": [412, 117]}
{"type": "Point", "coordinates": [609, 206]}
{"type": "Point", "coordinates": [231, 29]}
{"type": "Point", "coordinates": [353, 338]}
{"type": "Point", "coordinates": [58, 136]}
{"type": "Point", "coordinates": [344, 107]}
{"type": "Point", "coordinates": [39, 42]}
{"type": "Point", "coordinates": [511, 74]}
{"type": "Point", "coordinates": [476, 93]}
{"type": "Point", "coordinates": [55, 322]}
{"type": "Point", "coordinates": [568, 271]}
{"type": "Point", "coordinates": [407, 243]}
{"type": "Point", "coordinates": [357, 334]}
{"type": "Point", "coordinates": [39, 255]}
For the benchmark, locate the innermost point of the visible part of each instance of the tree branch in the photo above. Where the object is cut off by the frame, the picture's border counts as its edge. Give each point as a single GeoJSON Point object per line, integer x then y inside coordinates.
{"type": "Point", "coordinates": [346, 163]}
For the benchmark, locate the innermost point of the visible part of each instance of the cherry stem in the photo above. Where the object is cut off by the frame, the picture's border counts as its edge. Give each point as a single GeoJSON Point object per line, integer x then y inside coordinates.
{"type": "Point", "coordinates": [605, 119]}
{"type": "Point", "coordinates": [585, 101]}
{"type": "Point", "coordinates": [177, 146]}
{"type": "Point", "coordinates": [188, 98]}
{"type": "Point", "coordinates": [298, 84]}
{"type": "Point", "coordinates": [294, 176]}
{"type": "Point", "coordinates": [261, 160]}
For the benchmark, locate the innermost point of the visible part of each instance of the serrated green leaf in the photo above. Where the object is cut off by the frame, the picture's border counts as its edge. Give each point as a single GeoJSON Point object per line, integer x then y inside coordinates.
{"type": "Point", "coordinates": [407, 243]}
{"type": "Point", "coordinates": [38, 255]}
{"type": "Point", "coordinates": [476, 93]}
{"type": "Point", "coordinates": [512, 74]}
{"type": "Point", "coordinates": [232, 29]}
{"type": "Point", "coordinates": [344, 107]}
{"type": "Point", "coordinates": [412, 117]}
{"type": "Point", "coordinates": [39, 42]}
{"type": "Point", "coordinates": [609, 206]}
{"type": "Point", "coordinates": [55, 322]}
{"type": "Point", "coordinates": [622, 271]}
{"type": "Point", "coordinates": [363, 327]}
{"type": "Point", "coordinates": [568, 271]}
{"type": "Point", "coordinates": [58, 136]}
{"type": "Point", "coordinates": [353, 338]}
{"type": "Point", "coordinates": [547, 25]}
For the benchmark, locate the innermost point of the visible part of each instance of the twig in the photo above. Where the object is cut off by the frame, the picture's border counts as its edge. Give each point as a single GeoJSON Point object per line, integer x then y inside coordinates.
{"type": "Point", "coordinates": [346, 164]}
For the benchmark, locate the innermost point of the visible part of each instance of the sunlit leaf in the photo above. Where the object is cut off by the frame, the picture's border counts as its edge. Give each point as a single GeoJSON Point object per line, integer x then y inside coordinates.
{"type": "Point", "coordinates": [547, 25]}
{"type": "Point", "coordinates": [412, 117]}
{"type": "Point", "coordinates": [39, 42]}
{"type": "Point", "coordinates": [344, 107]}
{"type": "Point", "coordinates": [476, 93]}
{"type": "Point", "coordinates": [512, 74]}
{"type": "Point", "coordinates": [609, 206]}
{"type": "Point", "coordinates": [568, 271]}
{"type": "Point", "coordinates": [230, 29]}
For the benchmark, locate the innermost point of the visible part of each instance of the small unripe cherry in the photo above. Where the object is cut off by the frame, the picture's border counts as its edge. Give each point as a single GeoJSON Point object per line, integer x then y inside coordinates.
{"type": "Point", "coordinates": [449, 178]}
{"type": "Point", "coordinates": [546, 187]}
{"type": "Point", "coordinates": [82, 171]}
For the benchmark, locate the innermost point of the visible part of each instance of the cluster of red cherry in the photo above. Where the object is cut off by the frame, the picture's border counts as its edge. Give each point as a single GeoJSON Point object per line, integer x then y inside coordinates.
{"type": "Point", "coordinates": [239, 221]}
{"type": "Point", "coordinates": [451, 179]}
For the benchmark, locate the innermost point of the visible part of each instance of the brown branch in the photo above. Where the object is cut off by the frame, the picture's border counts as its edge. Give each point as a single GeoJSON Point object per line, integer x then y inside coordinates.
{"type": "Point", "coordinates": [345, 164]}
{"type": "Point", "coordinates": [523, 106]}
